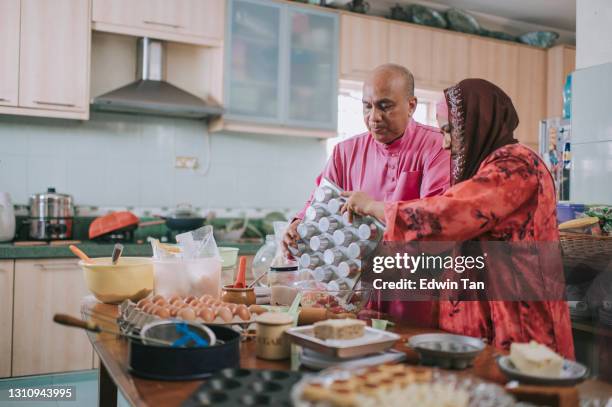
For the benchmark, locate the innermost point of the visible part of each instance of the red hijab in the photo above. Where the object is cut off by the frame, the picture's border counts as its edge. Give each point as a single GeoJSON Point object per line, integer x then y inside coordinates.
{"type": "Point", "coordinates": [482, 119]}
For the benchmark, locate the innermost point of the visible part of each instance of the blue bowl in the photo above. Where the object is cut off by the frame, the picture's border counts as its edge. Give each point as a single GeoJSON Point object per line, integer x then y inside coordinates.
{"type": "Point", "coordinates": [541, 39]}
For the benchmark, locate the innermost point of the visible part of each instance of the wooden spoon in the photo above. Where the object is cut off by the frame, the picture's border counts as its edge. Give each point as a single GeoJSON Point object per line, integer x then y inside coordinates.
{"type": "Point", "coordinates": [80, 254]}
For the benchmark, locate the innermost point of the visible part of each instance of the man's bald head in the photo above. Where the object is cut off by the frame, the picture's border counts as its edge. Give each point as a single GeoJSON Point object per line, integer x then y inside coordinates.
{"type": "Point", "coordinates": [388, 102]}
{"type": "Point", "coordinates": [393, 75]}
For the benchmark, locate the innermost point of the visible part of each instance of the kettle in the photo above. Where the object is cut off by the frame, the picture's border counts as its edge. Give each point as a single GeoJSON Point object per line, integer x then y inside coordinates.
{"type": "Point", "coordinates": [7, 218]}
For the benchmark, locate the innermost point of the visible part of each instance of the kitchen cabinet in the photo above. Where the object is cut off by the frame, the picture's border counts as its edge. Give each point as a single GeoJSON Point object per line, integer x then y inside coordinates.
{"type": "Point", "coordinates": [495, 62]}
{"type": "Point", "coordinates": [561, 61]}
{"type": "Point", "coordinates": [53, 58]}
{"type": "Point", "coordinates": [530, 99]}
{"type": "Point", "coordinates": [43, 288]}
{"type": "Point", "coordinates": [191, 21]}
{"type": "Point", "coordinates": [449, 62]}
{"type": "Point", "coordinates": [6, 316]}
{"type": "Point", "coordinates": [9, 51]}
{"type": "Point", "coordinates": [282, 70]}
{"type": "Point", "coordinates": [412, 47]}
{"type": "Point", "coordinates": [363, 44]}
{"type": "Point", "coordinates": [54, 55]}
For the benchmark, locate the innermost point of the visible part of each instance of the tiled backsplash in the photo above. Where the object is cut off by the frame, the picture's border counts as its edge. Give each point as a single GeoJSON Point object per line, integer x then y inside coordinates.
{"type": "Point", "coordinates": [126, 160]}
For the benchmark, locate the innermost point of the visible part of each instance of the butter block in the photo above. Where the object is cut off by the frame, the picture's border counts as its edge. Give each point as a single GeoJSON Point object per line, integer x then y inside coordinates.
{"type": "Point", "coordinates": [339, 329]}
{"type": "Point", "coordinates": [536, 359]}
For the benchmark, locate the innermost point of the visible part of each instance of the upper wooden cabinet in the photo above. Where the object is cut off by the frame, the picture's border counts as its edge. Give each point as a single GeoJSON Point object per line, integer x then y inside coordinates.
{"type": "Point", "coordinates": [364, 44]}
{"type": "Point", "coordinates": [449, 60]}
{"type": "Point", "coordinates": [561, 61]}
{"type": "Point", "coordinates": [44, 68]}
{"type": "Point", "coordinates": [412, 47]}
{"type": "Point", "coordinates": [54, 55]}
{"type": "Point", "coordinates": [495, 62]}
{"type": "Point", "coordinates": [198, 22]}
{"type": "Point", "coordinates": [9, 52]}
{"type": "Point", "coordinates": [530, 100]}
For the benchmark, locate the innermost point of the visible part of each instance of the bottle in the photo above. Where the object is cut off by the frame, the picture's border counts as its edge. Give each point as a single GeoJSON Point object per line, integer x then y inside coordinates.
{"type": "Point", "coordinates": [263, 260]}
{"type": "Point", "coordinates": [567, 97]}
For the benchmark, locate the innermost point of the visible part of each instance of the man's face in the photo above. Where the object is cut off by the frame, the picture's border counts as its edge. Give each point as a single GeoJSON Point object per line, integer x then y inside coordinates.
{"type": "Point", "coordinates": [386, 107]}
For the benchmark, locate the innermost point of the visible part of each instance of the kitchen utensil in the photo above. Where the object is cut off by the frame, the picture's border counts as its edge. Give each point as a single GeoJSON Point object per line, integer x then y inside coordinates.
{"type": "Point", "coordinates": [193, 363]}
{"type": "Point", "coordinates": [178, 333]}
{"type": "Point", "coordinates": [246, 296]}
{"type": "Point", "coordinates": [241, 276]}
{"type": "Point", "coordinates": [238, 387]}
{"type": "Point", "coordinates": [272, 344]}
{"type": "Point", "coordinates": [67, 320]}
{"type": "Point", "coordinates": [373, 341]}
{"type": "Point", "coordinates": [80, 254]}
{"type": "Point", "coordinates": [131, 278]}
{"type": "Point", "coordinates": [7, 218]}
{"type": "Point", "coordinates": [257, 280]}
{"type": "Point", "coordinates": [446, 350]}
{"type": "Point", "coordinates": [572, 373]}
{"type": "Point", "coordinates": [51, 215]}
{"type": "Point", "coordinates": [117, 250]}
{"type": "Point", "coordinates": [183, 219]}
{"type": "Point", "coordinates": [541, 39]}
{"type": "Point", "coordinates": [117, 226]}
{"type": "Point", "coordinates": [459, 20]}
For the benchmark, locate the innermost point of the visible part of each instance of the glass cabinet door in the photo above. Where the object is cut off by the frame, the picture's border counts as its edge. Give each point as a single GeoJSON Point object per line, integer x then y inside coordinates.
{"type": "Point", "coordinates": [313, 69]}
{"type": "Point", "coordinates": [253, 59]}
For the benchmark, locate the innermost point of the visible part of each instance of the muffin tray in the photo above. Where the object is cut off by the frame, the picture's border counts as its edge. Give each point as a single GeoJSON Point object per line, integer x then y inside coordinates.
{"type": "Point", "coordinates": [245, 387]}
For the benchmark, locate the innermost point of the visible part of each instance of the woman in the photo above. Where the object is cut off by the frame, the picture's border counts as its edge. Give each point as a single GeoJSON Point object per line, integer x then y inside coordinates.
{"type": "Point", "coordinates": [500, 191]}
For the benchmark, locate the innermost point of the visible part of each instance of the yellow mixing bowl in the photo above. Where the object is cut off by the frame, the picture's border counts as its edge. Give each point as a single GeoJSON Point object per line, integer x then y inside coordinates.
{"type": "Point", "coordinates": [131, 277]}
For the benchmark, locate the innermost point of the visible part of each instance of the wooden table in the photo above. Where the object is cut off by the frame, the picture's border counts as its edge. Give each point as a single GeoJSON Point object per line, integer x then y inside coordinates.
{"type": "Point", "coordinates": [114, 374]}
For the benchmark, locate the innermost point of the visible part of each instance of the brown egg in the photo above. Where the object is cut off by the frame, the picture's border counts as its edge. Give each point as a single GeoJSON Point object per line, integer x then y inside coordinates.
{"type": "Point", "coordinates": [153, 309]}
{"type": "Point", "coordinates": [224, 313]}
{"type": "Point", "coordinates": [207, 314]}
{"type": "Point", "coordinates": [181, 305]}
{"type": "Point", "coordinates": [243, 313]}
{"type": "Point", "coordinates": [173, 311]}
{"type": "Point", "coordinates": [232, 307]}
{"type": "Point", "coordinates": [188, 314]}
{"type": "Point", "coordinates": [143, 302]}
{"type": "Point", "coordinates": [160, 301]}
{"type": "Point", "coordinates": [147, 307]}
{"type": "Point", "coordinates": [157, 297]}
{"type": "Point", "coordinates": [163, 312]}
{"type": "Point", "coordinates": [195, 303]}
{"type": "Point", "coordinates": [205, 297]}
{"type": "Point", "coordinates": [189, 299]}
{"type": "Point", "coordinates": [257, 309]}
{"type": "Point", "coordinates": [173, 298]}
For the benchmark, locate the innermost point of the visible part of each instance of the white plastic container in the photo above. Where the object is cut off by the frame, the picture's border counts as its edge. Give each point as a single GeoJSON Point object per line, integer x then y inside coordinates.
{"type": "Point", "coordinates": [188, 277]}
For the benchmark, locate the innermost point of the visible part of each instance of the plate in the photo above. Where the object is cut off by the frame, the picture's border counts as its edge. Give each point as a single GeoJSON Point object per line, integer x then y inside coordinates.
{"type": "Point", "coordinates": [446, 350]}
{"type": "Point", "coordinates": [373, 341]}
{"type": "Point", "coordinates": [572, 373]}
{"type": "Point", "coordinates": [459, 20]}
{"type": "Point", "coordinates": [316, 361]}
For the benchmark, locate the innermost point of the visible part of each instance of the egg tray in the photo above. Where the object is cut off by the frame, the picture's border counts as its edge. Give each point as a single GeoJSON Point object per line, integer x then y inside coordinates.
{"type": "Point", "coordinates": [245, 387]}
{"type": "Point", "coordinates": [132, 319]}
{"type": "Point", "coordinates": [351, 282]}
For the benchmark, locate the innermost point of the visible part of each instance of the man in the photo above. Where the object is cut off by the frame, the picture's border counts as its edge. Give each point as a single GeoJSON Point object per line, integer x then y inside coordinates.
{"type": "Point", "coordinates": [398, 159]}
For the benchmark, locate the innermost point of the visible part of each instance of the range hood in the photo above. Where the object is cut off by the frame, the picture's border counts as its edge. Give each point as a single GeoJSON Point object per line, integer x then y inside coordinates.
{"type": "Point", "coordinates": [151, 94]}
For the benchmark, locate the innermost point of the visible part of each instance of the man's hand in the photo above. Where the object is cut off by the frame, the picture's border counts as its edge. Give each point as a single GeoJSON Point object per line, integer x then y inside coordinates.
{"type": "Point", "coordinates": [362, 204]}
{"type": "Point", "coordinates": [291, 236]}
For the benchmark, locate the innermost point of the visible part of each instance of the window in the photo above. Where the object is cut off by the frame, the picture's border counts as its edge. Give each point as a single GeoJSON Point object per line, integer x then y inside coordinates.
{"type": "Point", "coordinates": [350, 111]}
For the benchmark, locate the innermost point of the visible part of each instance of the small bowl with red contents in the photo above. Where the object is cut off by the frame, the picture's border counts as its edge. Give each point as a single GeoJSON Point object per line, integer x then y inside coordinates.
{"type": "Point", "coordinates": [319, 295]}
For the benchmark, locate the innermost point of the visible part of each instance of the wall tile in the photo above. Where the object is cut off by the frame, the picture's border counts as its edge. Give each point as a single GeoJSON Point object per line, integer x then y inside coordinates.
{"type": "Point", "coordinates": [85, 180]}
{"type": "Point", "coordinates": [46, 171]}
{"type": "Point", "coordinates": [121, 183]}
{"type": "Point", "coordinates": [14, 176]}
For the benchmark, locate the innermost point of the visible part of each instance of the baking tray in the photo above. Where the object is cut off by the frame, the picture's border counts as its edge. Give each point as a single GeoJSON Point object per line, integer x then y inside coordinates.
{"type": "Point", "coordinates": [246, 387]}
{"type": "Point", "coordinates": [373, 341]}
{"type": "Point", "coordinates": [173, 363]}
{"type": "Point", "coordinates": [446, 350]}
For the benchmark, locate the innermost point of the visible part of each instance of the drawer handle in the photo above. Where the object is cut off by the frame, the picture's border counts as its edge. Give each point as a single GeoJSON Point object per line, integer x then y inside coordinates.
{"type": "Point", "coordinates": [58, 266]}
{"type": "Point", "coordinates": [162, 24]}
{"type": "Point", "coordinates": [41, 102]}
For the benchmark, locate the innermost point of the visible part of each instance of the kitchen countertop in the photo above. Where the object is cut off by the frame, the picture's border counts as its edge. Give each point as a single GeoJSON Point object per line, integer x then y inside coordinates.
{"type": "Point", "coordinates": [10, 251]}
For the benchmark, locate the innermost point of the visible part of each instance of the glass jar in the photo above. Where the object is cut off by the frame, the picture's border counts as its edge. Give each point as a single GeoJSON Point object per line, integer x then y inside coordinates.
{"type": "Point", "coordinates": [286, 275]}
{"type": "Point", "coordinates": [263, 259]}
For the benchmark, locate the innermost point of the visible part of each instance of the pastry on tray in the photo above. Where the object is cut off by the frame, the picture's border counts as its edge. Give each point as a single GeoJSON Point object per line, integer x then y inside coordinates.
{"type": "Point", "coordinates": [339, 329]}
{"type": "Point", "coordinates": [536, 359]}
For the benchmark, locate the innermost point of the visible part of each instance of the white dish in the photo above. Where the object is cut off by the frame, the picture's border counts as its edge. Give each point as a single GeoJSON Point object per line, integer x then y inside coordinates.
{"type": "Point", "coordinates": [572, 373]}
{"type": "Point", "coordinates": [373, 341]}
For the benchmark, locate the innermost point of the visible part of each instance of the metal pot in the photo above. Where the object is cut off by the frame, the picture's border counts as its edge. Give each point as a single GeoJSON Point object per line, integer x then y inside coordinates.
{"type": "Point", "coordinates": [51, 216]}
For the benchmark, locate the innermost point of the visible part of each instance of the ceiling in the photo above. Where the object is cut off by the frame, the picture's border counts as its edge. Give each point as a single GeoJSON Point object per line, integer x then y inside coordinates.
{"type": "Point", "coordinates": [559, 14]}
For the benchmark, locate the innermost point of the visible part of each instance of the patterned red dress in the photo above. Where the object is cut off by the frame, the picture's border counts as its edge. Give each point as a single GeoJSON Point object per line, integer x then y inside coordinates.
{"type": "Point", "coordinates": [510, 198]}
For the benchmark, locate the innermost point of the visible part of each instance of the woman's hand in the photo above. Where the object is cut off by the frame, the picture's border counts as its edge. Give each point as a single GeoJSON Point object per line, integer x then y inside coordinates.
{"type": "Point", "coordinates": [362, 204]}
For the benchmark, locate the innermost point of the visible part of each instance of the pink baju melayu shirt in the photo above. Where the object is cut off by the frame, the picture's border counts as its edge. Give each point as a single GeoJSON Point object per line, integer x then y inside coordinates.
{"type": "Point", "coordinates": [411, 167]}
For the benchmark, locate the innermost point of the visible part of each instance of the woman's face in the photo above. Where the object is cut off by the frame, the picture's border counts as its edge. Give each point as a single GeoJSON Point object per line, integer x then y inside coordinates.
{"type": "Point", "coordinates": [446, 133]}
